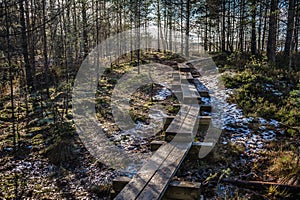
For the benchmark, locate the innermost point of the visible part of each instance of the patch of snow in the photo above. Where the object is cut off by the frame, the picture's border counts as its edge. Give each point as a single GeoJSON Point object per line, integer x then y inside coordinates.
{"type": "Point", "coordinates": [274, 123]}
{"type": "Point", "coordinates": [262, 121]}
{"type": "Point", "coordinates": [205, 100]}
{"type": "Point", "coordinates": [163, 94]}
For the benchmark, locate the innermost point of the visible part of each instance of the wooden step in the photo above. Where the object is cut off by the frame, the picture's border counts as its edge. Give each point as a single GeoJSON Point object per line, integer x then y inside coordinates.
{"type": "Point", "coordinates": [176, 87]}
{"type": "Point", "coordinates": [185, 120]}
{"type": "Point", "coordinates": [205, 108]}
{"type": "Point", "coordinates": [187, 76]}
{"type": "Point", "coordinates": [204, 119]}
{"type": "Point", "coordinates": [152, 179]}
{"type": "Point", "coordinates": [154, 145]}
{"type": "Point", "coordinates": [183, 67]}
{"type": "Point", "coordinates": [175, 190]}
{"type": "Point", "coordinates": [193, 152]}
{"type": "Point", "coordinates": [190, 94]}
{"type": "Point", "coordinates": [203, 93]}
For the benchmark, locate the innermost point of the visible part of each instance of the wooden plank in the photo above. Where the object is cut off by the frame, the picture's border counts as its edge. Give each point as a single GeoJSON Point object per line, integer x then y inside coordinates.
{"type": "Point", "coordinates": [158, 184]}
{"type": "Point", "coordinates": [195, 73]}
{"type": "Point", "coordinates": [204, 93]}
{"type": "Point", "coordinates": [206, 108]}
{"type": "Point", "coordinates": [175, 190]}
{"type": "Point", "coordinates": [187, 76]}
{"type": "Point", "coordinates": [167, 121]}
{"type": "Point", "coordinates": [154, 145]}
{"type": "Point", "coordinates": [190, 94]}
{"type": "Point", "coordinates": [178, 120]}
{"type": "Point", "coordinates": [189, 90]}
{"type": "Point", "coordinates": [176, 75]}
{"type": "Point", "coordinates": [188, 126]}
{"type": "Point", "coordinates": [204, 119]}
{"type": "Point", "coordinates": [178, 95]}
{"type": "Point", "coordinates": [176, 87]}
{"type": "Point", "coordinates": [184, 123]}
{"type": "Point", "coordinates": [168, 154]}
{"type": "Point", "coordinates": [140, 180]}
{"type": "Point", "coordinates": [183, 190]}
{"type": "Point", "coordinates": [183, 67]}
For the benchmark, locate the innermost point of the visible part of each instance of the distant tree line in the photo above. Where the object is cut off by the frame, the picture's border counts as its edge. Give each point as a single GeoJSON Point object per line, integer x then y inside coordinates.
{"type": "Point", "coordinates": [38, 34]}
{"type": "Point", "coordinates": [45, 39]}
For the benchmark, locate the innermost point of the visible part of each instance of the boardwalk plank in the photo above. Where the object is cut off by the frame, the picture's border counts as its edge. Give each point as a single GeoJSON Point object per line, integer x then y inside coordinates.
{"type": "Point", "coordinates": [153, 178]}
{"type": "Point", "coordinates": [140, 180]}
{"type": "Point", "coordinates": [159, 182]}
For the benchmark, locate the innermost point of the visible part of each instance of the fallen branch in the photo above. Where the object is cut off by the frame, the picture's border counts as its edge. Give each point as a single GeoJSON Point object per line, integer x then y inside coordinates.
{"type": "Point", "coordinates": [291, 188]}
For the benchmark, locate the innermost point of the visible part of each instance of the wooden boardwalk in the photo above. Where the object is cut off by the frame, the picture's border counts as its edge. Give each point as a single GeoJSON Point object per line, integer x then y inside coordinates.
{"type": "Point", "coordinates": [152, 180]}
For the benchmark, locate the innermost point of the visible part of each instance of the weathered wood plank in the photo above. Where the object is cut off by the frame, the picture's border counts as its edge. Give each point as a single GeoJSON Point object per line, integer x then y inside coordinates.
{"type": "Point", "coordinates": [178, 120]}
{"type": "Point", "coordinates": [204, 93]}
{"type": "Point", "coordinates": [190, 124]}
{"type": "Point", "coordinates": [190, 94]}
{"type": "Point", "coordinates": [158, 183]}
{"type": "Point", "coordinates": [204, 119]}
{"type": "Point", "coordinates": [167, 121]}
{"type": "Point", "coordinates": [140, 180]}
{"type": "Point", "coordinates": [154, 145]}
{"type": "Point", "coordinates": [175, 190]}
{"type": "Point", "coordinates": [205, 108]}
{"type": "Point", "coordinates": [186, 76]}
{"type": "Point", "coordinates": [183, 67]}
{"type": "Point", "coordinates": [184, 120]}
{"type": "Point", "coordinates": [182, 190]}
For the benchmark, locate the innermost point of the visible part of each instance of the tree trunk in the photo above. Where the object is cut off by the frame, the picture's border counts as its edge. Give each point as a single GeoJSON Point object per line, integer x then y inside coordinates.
{"type": "Point", "coordinates": [242, 12]}
{"type": "Point", "coordinates": [187, 28]}
{"type": "Point", "coordinates": [290, 27]}
{"type": "Point", "coordinates": [259, 27]}
{"type": "Point", "coordinates": [296, 32]}
{"type": "Point", "coordinates": [253, 28]}
{"type": "Point", "coordinates": [170, 24]}
{"type": "Point", "coordinates": [223, 26]}
{"type": "Point", "coordinates": [271, 47]}
{"type": "Point", "coordinates": [229, 29]}
{"type": "Point", "coordinates": [45, 51]}
{"type": "Point", "coordinates": [75, 41]}
{"type": "Point", "coordinates": [181, 26]}
{"type": "Point", "coordinates": [29, 75]}
{"type": "Point", "coordinates": [206, 28]}
{"type": "Point", "coordinates": [158, 25]}
{"type": "Point", "coordinates": [265, 26]}
{"type": "Point", "coordinates": [84, 27]}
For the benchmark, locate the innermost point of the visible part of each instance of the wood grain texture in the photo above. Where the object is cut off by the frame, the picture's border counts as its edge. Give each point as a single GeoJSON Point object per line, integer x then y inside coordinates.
{"type": "Point", "coordinates": [159, 182]}
{"type": "Point", "coordinates": [141, 179]}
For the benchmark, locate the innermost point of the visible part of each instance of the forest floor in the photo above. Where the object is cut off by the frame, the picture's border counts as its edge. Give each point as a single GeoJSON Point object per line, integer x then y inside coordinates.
{"type": "Point", "coordinates": [51, 162]}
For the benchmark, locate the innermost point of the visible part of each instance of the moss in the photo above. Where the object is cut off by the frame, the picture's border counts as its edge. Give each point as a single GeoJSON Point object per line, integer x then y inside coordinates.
{"type": "Point", "coordinates": [38, 139]}
{"type": "Point", "coordinates": [264, 90]}
{"type": "Point", "coordinates": [173, 110]}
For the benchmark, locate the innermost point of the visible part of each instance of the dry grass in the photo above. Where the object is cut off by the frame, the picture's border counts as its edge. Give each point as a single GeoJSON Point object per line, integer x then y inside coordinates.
{"type": "Point", "coordinates": [286, 167]}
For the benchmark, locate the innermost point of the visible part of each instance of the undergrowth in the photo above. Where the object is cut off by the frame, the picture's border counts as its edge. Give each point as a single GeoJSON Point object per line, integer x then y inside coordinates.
{"type": "Point", "coordinates": [264, 90]}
